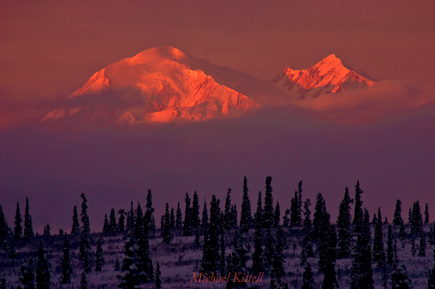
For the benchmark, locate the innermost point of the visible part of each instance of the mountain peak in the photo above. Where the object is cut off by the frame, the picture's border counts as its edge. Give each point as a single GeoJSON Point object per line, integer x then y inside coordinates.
{"type": "Point", "coordinates": [328, 75]}
{"type": "Point", "coordinates": [157, 54]}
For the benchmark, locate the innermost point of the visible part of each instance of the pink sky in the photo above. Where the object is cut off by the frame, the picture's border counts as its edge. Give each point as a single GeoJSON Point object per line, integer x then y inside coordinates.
{"type": "Point", "coordinates": [50, 47]}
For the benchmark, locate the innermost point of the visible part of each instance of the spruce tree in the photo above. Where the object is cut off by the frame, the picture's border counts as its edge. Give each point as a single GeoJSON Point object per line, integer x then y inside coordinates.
{"type": "Point", "coordinates": [99, 262]}
{"type": "Point", "coordinates": [307, 247]}
{"type": "Point", "coordinates": [139, 226]}
{"type": "Point", "coordinates": [258, 216]}
{"type": "Point", "coordinates": [234, 216]}
{"type": "Point", "coordinates": [18, 229]}
{"type": "Point", "coordinates": [85, 252]}
{"type": "Point", "coordinates": [330, 280]}
{"type": "Point", "coordinates": [240, 254]}
{"type": "Point", "coordinates": [113, 225]}
{"type": "Point", "coordinates": [227, 214]}
{"type": "Point", "coordinates": [278, 258]}
{"type": "Point", "coordinates": [361, 271]}
{"type": "Point", "coordinates": [167, 235]}
{"type": "Point", "coordinates": [390, 248]}
{"type": "Point", "coordinates": [397, 220]}
{"type": "Point", "coordinates": [269, 251]}
{"type": "Point", "coordinates": [195, 221]}
{"type": "Point", "coordinates": [172, 219]}
{"type": "Point", "coordinates": [344, 227]}
{"type": "Point", "coordinates": [121, 221]}
{"type": "Point", "coordinates": [75, 226]}
{"type": "Point", "coordinates": [257, 256]}
{"type": "Point", "coordinates": [149, 217]}
{"type": "Point", "coordinates": [294, 210]}
{"type": "Point", "coordinates": [84, 283]}
{"type": "Point", "coordinates": [268, 212]}
{"type": "Point", "coordinates": [422, 247]}
{"type": "Point", "coordinates": [4, 228]}
{"type": "Point", "coordinates": [416, 219]}
{"type": "Point", "coordinates": [358, 214]}
{"type": "Point", "coordinates": [300, 203]}
{"type": "Point", "coordinates": [319, 217]}
{"type": "Point", "coordinates": [28, 224]}
{"type": "Point", "coordinates": [222, 255]}
{"type": "Point", "coordinates": [210, 258]}
{"type": "Point", "coordinates": [378, 242]}
{"type": "Point", "coordinates": [28, 276]}
{"type": "Point", "coordinates": [42, 271]}
{"type": "Point", "coordinates": [277, 215]}
{"type": "Point", "coordinates": [106, 226]}
{"type": "Point", "coordinates": [307, 278]}
{"type": "Point", "coordinates": [179, 218]}
{"type": "Point", "coordinates": [158, 277]}
{"type": "Point", "coordinates": [86, 229]}
{"type": "Point", "coordinates": [426, 214]}
{"type": "Point", "coordinates": [204, 221]}
{"type": "Point", "coordinates": [324, 241]}
{"type": "Point", "coordinates": [67, 269]}
{"type": "Point", "coordinates": [187, 220]}
{"type": "Point", "coordinates": [131, 223]}
{"type": "Point", "coordinates": [245, 215]}
{"type": "Point", "coordinates": [144, 262]}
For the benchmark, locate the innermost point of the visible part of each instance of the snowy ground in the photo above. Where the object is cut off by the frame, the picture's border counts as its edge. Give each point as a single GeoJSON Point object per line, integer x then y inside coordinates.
{"type": "Point", "coordinates": [179, 260]}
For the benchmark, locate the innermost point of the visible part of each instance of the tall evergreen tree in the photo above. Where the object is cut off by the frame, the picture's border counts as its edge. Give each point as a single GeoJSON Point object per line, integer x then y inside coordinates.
{"type": "Point", "coordinates": [4, 228]}
{"type": "Point", "coordinates": [196, 222]}
{"type": "Point", "coordinates": [397, 220]}
{"type": "Point", "coordinates": [227, 214]}
{"type": "Point", "coordinates": [324, 239]}
{"type": "Point", "coordinates": [378, 242]}
{"type": "Point", "coordinates": [86, 229]}
{"type": "Point", "coordinates": [139, 226]}
{"type": "Point", "coordinates": [268, 212]}
{"type": "Point", "coordinates": [42, 271]}
{"type": "Point", "coordinates": [28, 224]}
{"type": "Point", "coordinates": [84, 283]}
{"type": "Point", "coordinates": [131, 275]}
{"type": "Point", "coordinates": [222, 255]}
{"type": "Point", "coordinates": [426, 214]}
{"type": "Point", "coordinates": [422, 247]}
{"type": "Point", "coordinates": [277, 215]}
{"type": "Point", "coordinates": [358, 214]}
{"type": "Point", "coordinates": [75, 226]}
{"type": "Point", "coordinates": [179, 218]}
{"type": "Point", "coordinates": [85, 253]}
{"type": "Point", "coordinates": [416, 219]}
{"type": "Point", "coordinates": [113, 225]}
{"type": "Point", "coordinates": [294, 210]}
{"type": "Point", "coordinates": [307, 278]}
{"type": "Point", "coordinates": [361, 271]}
{"type": "Point", "coordinates": [172, 219]}
{"type": "Point", "coordinates": [257, 256]}
{"type": "Point", "coordinates": [258, 216]}
{"type": "Point", "coordinates": [158, 277]}
{"type": "Point", "coordinates": [307, 246]}
{"type": "Point", "coordinates": [187, 219]}
{"type": "Point", "coordinates": [204, 222]}
{"type": "Point", "coordinates": [106, 226]}
{"type": "Point", "coordinates": [210, 258]}
{"type": "Point", "coordinates": [167, 235]}
{"type": "Point", "coordinates": [300, 202]}
{"type": "Point", "coordinates": [240, 254]}
{"type": "Point", "coordinates": [390, 248]}
{"type": "Point", "coordinates": [121, 220]}
{"type": "Point", "coordinates": [278, 258]}
{"type": "Point", "coordinates": [18, 229]}
{"type": "Point", "coordinates": [269, 251]}
{"type": "Point", "coordinates": [319, 217]}
{"type": "Point", "coordinates": [131, 223]}
{"type": "Point", "coordinates": [344, 227]}
{"type": "Point", "coordinates": [149, 217]}
{"type": "Point", "coordinates": [144, 262]}
{"type": "Point", "coordinates": [245, 215]}
{"type": "Point", "coordinates": [330, 280]}
{"type": "Point", "coordinates": [67, 269]}
{"type": "Point", "coordinates": [99, 262]}
{"type": "Point", "coordinates": [28, 275]}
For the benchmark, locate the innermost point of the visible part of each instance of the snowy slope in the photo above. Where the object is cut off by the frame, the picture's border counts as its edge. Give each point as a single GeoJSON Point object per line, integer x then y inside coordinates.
{"type": "Point", "coordinates": [327, 76]}
{"type": "Point", "coordinates": [156, 85]}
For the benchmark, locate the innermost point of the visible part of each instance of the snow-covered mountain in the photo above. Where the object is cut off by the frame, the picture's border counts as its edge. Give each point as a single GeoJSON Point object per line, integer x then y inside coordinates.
{"type": "Point", "coordinates": [157, 85]}
{"type": "Point", "coordinates": [327, 76]}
